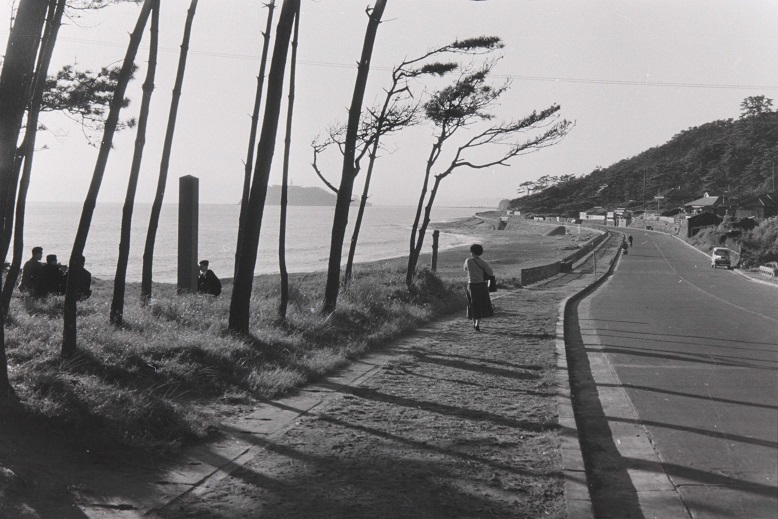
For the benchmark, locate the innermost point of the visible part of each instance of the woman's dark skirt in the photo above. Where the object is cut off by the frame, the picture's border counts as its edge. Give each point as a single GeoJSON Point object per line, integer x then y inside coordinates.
{"type": "Point", "coordinates": [479, 305]}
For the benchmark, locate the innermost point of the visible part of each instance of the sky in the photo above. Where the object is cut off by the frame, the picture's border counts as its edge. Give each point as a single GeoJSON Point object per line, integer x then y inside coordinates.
{"type": "Point", "coordinates": [631, 74]}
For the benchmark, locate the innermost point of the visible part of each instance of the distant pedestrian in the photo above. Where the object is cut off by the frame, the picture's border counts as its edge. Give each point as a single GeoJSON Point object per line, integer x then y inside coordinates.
{"type": "Point", "coordinates": [31, 271]}
{"type": "Point", "coordinates": [479, 304]}
{"type": "Point", "coordinates": [629, 239]}
{"type": "Point", "coordinates": [208, 283]}
{"type": "Point", "coordinates": [51, 279]}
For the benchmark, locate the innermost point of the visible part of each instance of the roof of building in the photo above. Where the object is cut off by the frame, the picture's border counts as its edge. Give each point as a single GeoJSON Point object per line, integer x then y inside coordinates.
{"type": "Point", "coordinates": [706, 201]}
{"type": "Point", "coordinates": [764, 200]}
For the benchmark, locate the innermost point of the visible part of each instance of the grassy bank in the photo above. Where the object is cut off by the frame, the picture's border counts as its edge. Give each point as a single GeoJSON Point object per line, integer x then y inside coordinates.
{"type": "Point", "coordinates": [135, 387]}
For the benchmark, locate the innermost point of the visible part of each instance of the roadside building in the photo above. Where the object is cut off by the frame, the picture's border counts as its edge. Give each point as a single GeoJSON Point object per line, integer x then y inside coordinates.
{"type": "Point", "coordinates": [706, 204]}
{"type": "Point", "coordinates": [757, 207]}
{"type": "Point", "coordinates": [699, 221]}
{"type": "Point", "coordinates": [594, 215]}
{"type": "Point", "coordinates": [622, 217]}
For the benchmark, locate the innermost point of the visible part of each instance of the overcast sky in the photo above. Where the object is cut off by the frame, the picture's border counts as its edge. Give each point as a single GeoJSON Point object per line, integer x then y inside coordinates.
{"type": "Point", "coordinates": [631, 74]}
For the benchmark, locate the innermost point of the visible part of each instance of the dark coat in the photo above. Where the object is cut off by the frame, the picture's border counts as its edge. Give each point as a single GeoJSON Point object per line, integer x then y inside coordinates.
{"type": "Point", "coordinates": [208, 283]}
{"type": "Point", "coordinates": [84, 289]}
{"type": "Point", "coordinates": [51, 280]}
{"type": "Point", "coordinates": [30, 273]}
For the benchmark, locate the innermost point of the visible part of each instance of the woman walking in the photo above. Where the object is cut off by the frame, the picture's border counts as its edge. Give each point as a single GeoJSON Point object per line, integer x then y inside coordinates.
{"type": "Point", "coordinates": [479, 305]}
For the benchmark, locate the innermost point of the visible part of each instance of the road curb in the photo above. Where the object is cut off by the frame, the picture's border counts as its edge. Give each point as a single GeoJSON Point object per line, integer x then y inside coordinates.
{"type": "Point", "coordinates": [577, 496]}
{"type": "Point", "coordinates": [656, 495]}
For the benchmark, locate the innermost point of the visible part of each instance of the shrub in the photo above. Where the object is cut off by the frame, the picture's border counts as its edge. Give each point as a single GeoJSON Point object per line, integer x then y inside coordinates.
{"type": "Point", "coordinates": [760, 245]}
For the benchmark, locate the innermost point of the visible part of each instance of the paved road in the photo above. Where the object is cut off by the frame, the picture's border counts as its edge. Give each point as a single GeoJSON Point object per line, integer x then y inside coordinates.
{"type": "Point", "coordinates": [695, 352]}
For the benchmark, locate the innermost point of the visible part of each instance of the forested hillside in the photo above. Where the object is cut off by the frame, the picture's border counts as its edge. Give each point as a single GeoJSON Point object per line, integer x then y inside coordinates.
{"type": "Point", "coordinates": [735, 158]}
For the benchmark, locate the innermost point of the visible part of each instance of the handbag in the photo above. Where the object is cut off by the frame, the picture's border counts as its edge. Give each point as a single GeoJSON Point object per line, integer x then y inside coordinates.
{"type": "Point", "coordinates": [491, 281]}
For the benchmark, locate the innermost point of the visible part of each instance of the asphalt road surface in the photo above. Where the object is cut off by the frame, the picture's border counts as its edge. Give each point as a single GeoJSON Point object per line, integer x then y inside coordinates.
{"type": "Point", "coordinates": [695, 352]}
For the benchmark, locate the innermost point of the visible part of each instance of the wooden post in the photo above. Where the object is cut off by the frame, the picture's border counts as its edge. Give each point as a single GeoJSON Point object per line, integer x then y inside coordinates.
{"type": "Point", "coordinates": [188, 205]}
{"type": "Point", "coordinates": [435, 236]}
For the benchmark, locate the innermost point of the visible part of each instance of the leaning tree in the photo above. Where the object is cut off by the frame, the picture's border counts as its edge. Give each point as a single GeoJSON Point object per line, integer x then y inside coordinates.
{"type": "Point", "coordinates": [167, 147]}
{"type": "Point", "coordinates": [17, 189]}
{"type": "Point", "coordinates": [458, 107]}
{"type": "Point", "coordinates": [75, 265]}
{"type": "Point", "coordinates": [343, 202]}
{"type": "Point", "coordinates": [116, 315]}
{"type": "Point", "coordinates": [240, 302]}
{"type": "Point", "coordinates": [284, 302]}
{"type": "Point", "coordinates": [15, 81]}
{"type": "Point", "coordinates": [81, 95]}
{"type": "Point", "coordinates": [247, 165]}
{"type": "Point", "coordinates": [399, 111]}
{"type": "Point", "coordinates": [392, 117]}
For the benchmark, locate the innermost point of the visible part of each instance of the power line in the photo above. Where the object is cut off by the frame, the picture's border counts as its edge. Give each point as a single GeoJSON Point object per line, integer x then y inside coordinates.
{"type": "Point", "coordinates": [547, 79]}
{"type": "Point", "coordinates": [635, 83]}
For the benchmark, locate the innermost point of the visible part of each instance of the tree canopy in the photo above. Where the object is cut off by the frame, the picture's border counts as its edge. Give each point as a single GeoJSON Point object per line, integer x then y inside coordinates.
{"type": "Point", "coordinates": [736, 158]}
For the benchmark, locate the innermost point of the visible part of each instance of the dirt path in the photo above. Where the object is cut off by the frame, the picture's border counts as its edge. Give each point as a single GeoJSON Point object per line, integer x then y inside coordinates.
{"type": "Point", "coordinates": [458, 424]}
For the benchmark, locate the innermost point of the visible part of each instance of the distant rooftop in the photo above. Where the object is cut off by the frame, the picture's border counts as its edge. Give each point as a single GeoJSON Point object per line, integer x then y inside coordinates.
{"type": "Point", "coordinates": [706, 201]}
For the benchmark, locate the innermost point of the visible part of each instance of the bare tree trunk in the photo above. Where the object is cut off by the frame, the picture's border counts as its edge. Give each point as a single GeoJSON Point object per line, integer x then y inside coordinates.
{"type": "Point", "coordinates": [425, 222]}
{"type": "Point", "coordinates": [366, 189]}
{"type": "Point", "coordinates": [253, 132]}
{"type": "Point", "coordinates": [360, 214]}
{"type": "Point", "coordinates": [54, 21]}
{"type": "Point", "coordinates": [244, 272]}
{"type": "Point", "coordinates": [15, 80]}
{"type": "Point", "coordinates": [352, 249]}
{"type": "Point", "coordinates": [284, 303]}
{"type": "Point", "coordinates": [120, 279]}
{"type": "Point", "coordinates": [412, 258]}
{"type": "Point", "coordinates": [8, 220]}
{"type": "Point", "coordinates": [69, 333]}
{"type": "Point", "coordinates": [156, 207]}
{"type": "Point", "coordinates": [340, 219]}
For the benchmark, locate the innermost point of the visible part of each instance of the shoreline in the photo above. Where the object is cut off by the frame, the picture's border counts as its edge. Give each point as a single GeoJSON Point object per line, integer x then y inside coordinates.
{"type": "Point", "coordinates": [448, 227]}
{"type": "Point", "coordinates": [524, 244]}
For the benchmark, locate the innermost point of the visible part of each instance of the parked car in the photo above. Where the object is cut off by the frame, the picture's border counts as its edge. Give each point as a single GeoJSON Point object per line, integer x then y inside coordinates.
{"type": "Point", "coordinates": [720, 257]}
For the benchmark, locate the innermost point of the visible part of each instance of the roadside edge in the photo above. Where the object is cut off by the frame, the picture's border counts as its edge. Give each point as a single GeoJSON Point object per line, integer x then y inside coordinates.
{"type": "Point", "coordinates": [577, 496]}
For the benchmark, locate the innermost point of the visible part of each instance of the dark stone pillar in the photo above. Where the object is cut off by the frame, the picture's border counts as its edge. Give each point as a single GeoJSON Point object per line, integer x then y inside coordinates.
{"type": "Point", "coordinates": [188, 205]}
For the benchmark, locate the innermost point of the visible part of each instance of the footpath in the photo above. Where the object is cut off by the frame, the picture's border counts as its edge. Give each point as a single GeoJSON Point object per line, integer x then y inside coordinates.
{"type": "Point", "coordinates": [445, 423]}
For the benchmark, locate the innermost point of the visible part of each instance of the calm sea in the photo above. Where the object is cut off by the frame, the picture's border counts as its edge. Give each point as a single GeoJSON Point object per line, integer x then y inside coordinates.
{"type": "Point", "coordinates": [385, 234]}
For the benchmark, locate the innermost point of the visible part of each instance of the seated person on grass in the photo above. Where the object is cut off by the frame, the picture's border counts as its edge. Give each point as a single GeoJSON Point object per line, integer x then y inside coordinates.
{"type": "Point", "coordinates": [51, 278]}
{"type": "Point", "coordinates": [31, 271]}
{"type": "Point", "coordinates": [84, 281]}
{"type": "Point", "coordinates": [208, 283]}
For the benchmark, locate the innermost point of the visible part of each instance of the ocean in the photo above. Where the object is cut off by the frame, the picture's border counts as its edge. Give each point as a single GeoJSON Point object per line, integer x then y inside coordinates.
{"type": "Point", "coordinates": [385, 234]}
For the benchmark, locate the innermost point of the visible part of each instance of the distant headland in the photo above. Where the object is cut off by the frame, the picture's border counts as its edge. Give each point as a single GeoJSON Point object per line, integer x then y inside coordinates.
{"type": "Point", "coordinates": [299, 195]}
